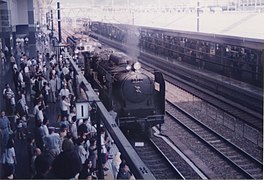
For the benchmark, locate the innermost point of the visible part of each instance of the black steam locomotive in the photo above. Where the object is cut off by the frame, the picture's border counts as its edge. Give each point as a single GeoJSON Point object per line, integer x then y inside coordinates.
{"type": "Point", "coordinates": [135, 97]}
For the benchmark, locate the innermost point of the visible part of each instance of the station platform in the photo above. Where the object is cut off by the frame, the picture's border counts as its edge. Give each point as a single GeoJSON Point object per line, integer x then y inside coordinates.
{"type": "Point", "coordinates": [52, 112]}
{"type": "Point", "coordinates": [248, 88]}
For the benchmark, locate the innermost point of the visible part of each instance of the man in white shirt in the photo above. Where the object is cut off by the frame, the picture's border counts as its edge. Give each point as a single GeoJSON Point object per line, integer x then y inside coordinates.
{"type": "Point", "coordinates": [65, 105]}
{"type": "Point", "coordinates": [64, 91]}
{"type": "Point", "coordinates": [40, 115]}
{"type": "Point", "coordinates": [65, 70]}
{"type": "Point", "coordinates": [52, 83]}
{"type": "Point", "coordinates": [36, 108]}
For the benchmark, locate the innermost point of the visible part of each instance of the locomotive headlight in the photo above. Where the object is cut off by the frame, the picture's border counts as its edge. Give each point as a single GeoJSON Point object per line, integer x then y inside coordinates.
{"type": "Point", "coordinates": [128, 67]}
{"type": "Point", "coordinates": [137, 66]}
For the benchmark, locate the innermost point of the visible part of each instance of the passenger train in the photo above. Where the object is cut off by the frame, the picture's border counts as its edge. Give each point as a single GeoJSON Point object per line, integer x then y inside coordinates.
{"type": "Point", "coordinates": [236, 57]}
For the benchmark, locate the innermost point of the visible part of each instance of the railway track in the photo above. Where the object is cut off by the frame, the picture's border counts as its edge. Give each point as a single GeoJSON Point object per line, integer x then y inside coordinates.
{"type": "Point", "coordinates": [157, 163]}
{"type": "Point", "coordinates": [246, 165]}
{"type": "Point", "coordinates": [245, 115]}
{"type": "Point", "coordinates": [163, 160]}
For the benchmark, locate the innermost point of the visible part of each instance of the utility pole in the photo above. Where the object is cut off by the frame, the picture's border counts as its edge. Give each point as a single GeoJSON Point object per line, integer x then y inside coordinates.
{"type": "Point", "coordinates": [198, 18]}
{"type": "Point", "coordinates": [52, 28]}
{"type": "Point", "coordinates": [59, 21]}
{"type": "Point", "coordinates": [52, 25]}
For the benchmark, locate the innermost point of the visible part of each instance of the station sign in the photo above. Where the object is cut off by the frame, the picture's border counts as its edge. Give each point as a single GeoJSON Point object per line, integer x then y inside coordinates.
{"type": "Point", "coordinates": [82, 110]}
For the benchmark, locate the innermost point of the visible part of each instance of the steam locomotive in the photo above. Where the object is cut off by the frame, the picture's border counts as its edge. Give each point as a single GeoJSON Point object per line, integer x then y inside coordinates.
{"type": "Point", "coordinates": [136, 98]}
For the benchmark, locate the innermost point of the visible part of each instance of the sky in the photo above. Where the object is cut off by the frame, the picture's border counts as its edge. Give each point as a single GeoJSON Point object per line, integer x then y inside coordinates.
{"type": "Point", "coordinates": [86, 3]}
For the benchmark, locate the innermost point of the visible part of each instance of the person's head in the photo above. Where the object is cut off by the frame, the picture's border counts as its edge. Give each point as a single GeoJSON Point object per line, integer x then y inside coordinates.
{"type": "Point", "coordinates": [43, 164]}
{"type": "Point", "coordinates": [92, 141]}
{"type": "Point", "coordinates": [39, 103]}
{"type": "Point", "coordinates": [40, 108]}
{"type": "Point", "coordinates": [67, 145]}
{"type": "Point", "coordinates": [69, 135]}
{"type": "Point", "coordinates": [64, 118]}
{"type": "Point", "coordinates": [85, 121]}
{"type": "Point", "coordinates": [45, 121]}
{"type": "Point", "coordinates": [82, 130]}
{"type": "Point", "coordinates": [66, 165]}
{"type": "Point", "coordinates": [37, 152]}
{"type": "Point", "coordinates": [79, 141]}
{"type": "Point", "coordinates": [10, 143]}
{"type": "Point", "coordinates": [123, 166]}
{"type": "Point", "coordinates": [102, 130]}
{"type": "Point", "coordinates": [63, 130]}
{"type": "Point", "coordinates": [73, 110]}
{"type": "Point", "coordinates": [22, 92]}
{"type": "Point", "coordinates": [51, 130]}
{"type": "Point", "coordinates": [3, 113]}
{"type": "Point", "coordinates": [63, 97]}
{"type": "Point", "coordinates": [87, 164]}
{"type": "Point", "coordinates": [74, 119]}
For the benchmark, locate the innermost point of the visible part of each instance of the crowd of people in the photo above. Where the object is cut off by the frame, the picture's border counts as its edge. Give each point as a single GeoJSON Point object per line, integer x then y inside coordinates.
{"type": "Point", "coordinates": [66, 150]}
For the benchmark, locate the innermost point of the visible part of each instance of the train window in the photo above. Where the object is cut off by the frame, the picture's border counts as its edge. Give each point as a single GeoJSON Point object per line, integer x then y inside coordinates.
{"type": "Point", "coordinates": [228, 48]}
{"type": "Point", "coordinates": [212, 49]}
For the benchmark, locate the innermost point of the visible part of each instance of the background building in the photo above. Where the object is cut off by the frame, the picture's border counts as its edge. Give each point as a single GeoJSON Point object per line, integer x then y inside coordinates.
{"type": "Point", "coordinates": [19, 19]}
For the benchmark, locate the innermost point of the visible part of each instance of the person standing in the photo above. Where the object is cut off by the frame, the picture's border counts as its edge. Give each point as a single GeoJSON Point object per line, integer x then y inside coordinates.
{"type": "Point", "coordinates": [115, 164]}
{"type": "Point", "coordinates": [39, 134]}
{"type": "Point", "coordinates": [31, 146]}
{"type": "Point", "coordinates": [64, 107]}
{"type": "Point", "coordinates": [64, 91]}
{"type": "Point", "coordinates": [93, 153]}
{"type": "Point", "coordinates": [73, 128]}
{"type": "Point", "coordinates": [87, 171]}
{"type": "Point", "coordinates": [81, 150]}
{"type": "Point", "coordinates": [52, 142]}
{"type": "Point", "coordinates": [124, 172]}
{"type": "Point", "coordinates": [40, 115]}
{"type": "Point", "coordinates": [12, 60]}
{"type": "Point", "coordinates": [3, 59]}
{"type": "Point", "coordinates": [9, 156]}
{"type": "Point", "coordinates": [104, 141]}
{"type": "Point", "coordinates": [9, 96]}
{"type": "Point", "coordinates": [52, 83]}
{"type": "Point", "coordinates": [45, 126]}
{"type": "Point", "coordinates": [4, 129]}
{"type": "Point", "coordinates": [45, 92]}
